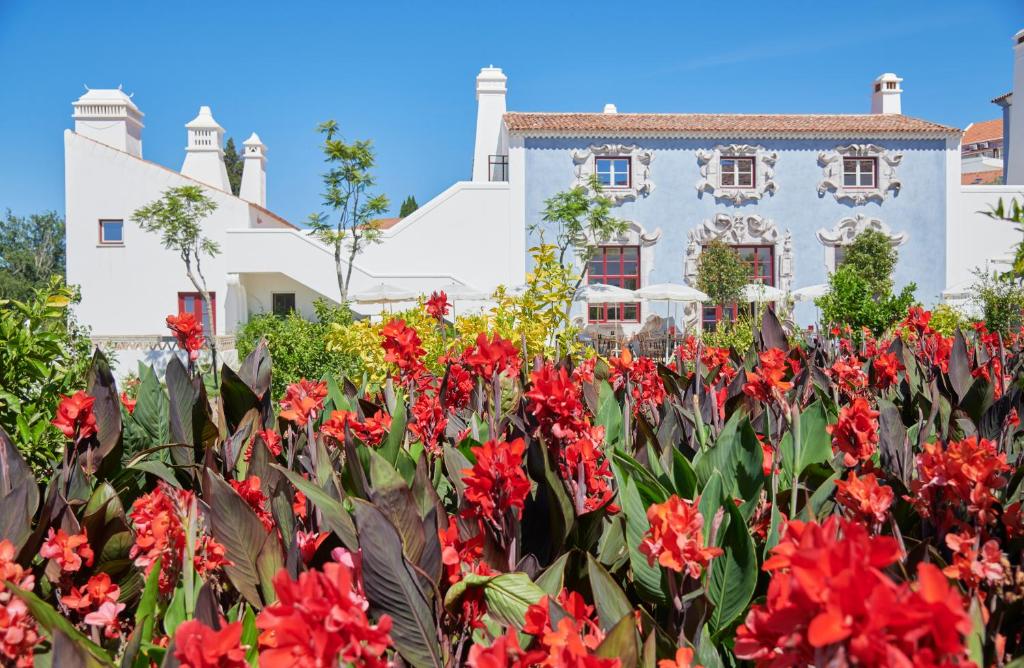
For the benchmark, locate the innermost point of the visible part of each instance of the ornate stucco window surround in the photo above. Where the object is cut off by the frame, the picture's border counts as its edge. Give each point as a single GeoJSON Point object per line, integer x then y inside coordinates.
{"type": "Point", "coordinates": [742, 230]}
{"type": "Point", "coordinates": [711, 181]}
{"type": "Point", "coordinates": [846, 230]}
{"type": "Point", "coordinates": [833, 180]}
{"type": "Point", "coordinates": [640, 184]}
{"type": "Point", "coordinates": [635, 235]}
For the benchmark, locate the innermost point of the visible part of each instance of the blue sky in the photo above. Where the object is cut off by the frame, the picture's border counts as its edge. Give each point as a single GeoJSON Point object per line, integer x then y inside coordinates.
{"type": "Point", "coordinates": [402, 73]}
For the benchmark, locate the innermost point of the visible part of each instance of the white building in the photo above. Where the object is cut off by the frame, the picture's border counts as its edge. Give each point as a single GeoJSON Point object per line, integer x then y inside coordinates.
{"type": "Point", "coordinates": [906, 182]}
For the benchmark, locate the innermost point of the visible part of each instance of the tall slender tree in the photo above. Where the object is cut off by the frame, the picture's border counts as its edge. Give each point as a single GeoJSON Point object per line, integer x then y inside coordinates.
{"type": "Point", "coordinates": [233, 162]}
{"type": "Point", "coordinates": [408, 206]}
{"type": "Point", "coordinates": [178, 218]}
{"type": "Point", "coordinates": [347, 186]}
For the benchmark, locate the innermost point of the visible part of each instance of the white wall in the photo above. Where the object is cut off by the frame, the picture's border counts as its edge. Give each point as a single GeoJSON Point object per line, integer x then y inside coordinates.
{"type": "Point", "coordinates": [260, 288]}
{"type": "Point", "coordinates": [974, 239]}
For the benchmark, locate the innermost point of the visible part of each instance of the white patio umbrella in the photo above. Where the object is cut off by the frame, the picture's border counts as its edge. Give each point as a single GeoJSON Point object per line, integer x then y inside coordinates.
{"type": "Point", "coordinates": [810, 292]}
{"type": "Point", "coordinates": [671, 292]}
{"type": "Point", "coordinates": [383, 293]}
{"type": "Point", "coordinates": [602, 293]}
{"type": "Point", "coordinates": [761, 293]}
{"type": "Point", "coordinates": [459, 292]}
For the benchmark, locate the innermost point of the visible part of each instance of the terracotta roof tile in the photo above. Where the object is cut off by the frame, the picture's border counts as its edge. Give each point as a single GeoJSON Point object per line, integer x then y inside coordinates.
{"type": "Point", "coordinates": [386, 223]}
{"type": "Point", "coordinates": [1002, 97]}
{"type": "Point", "coordinates": [735, 124]}
{"type": "Point", "coordinates": [983, 131]}
{"type": "Point", "coordinates": [982, 178]}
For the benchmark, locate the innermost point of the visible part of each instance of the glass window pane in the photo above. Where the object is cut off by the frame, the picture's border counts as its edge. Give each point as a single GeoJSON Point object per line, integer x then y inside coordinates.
{"type": "Point", "coordinates": [622, 179]}
{"type": "Point", "coordinates": [849, 179]}
{"type": "Point", "coordinates": [604, 179]}
{"type": "Point", "coordinates": [746, 180]}
{"type": "Point", "coordinates": [630, 312]}
{"type": "Point", "coordinates": [631, 252]}
{"type": "Point", "coordinates": [630, 283]}
{"type": "Point", "coordinates": [629, 267]}
{"type": "Point", "coordinates": [112, 231]}
{"type": "Point", "coordinates": [612, 253]}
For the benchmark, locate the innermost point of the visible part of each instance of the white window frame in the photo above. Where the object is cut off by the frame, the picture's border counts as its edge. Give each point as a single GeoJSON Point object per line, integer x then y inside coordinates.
{"type": "Point", "coordinates": [859, 173]}
{"type": "Point", "coordinates": [613, 162]}
{"type": "Point", "coordinates": [735, 173]}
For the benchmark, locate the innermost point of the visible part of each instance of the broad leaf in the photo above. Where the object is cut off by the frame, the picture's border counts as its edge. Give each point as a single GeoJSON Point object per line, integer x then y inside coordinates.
{"type": "Point", "coordinates": [733, 575]}
{"type": "Point", "coordinates": [507, 595]}
{"type": "Point", "coordinates": [334, 515]}
{"type": "Point", "coordinates": [611, 602]}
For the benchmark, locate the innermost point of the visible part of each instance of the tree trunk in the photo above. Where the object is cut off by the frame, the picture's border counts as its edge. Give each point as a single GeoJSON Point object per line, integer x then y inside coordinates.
{"type": "Point", "coordinates": [205, 295]}
{"type": "Point", "coordinates": [342, 283]}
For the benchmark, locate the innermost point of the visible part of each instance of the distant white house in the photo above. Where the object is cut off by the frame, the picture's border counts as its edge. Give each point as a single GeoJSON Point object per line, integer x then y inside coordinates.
{"type": "Point", "coordinates": [787, 190]}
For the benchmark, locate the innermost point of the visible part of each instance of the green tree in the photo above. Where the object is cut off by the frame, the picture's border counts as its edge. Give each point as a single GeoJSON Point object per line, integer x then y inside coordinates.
{"type": "Point", "coordinates": [873, 257]}
{"type": "Point", "coordinates": [178, 218]}
{"type": "Point", "coordinates": [43, 354]}
{"type": "Point", "coordinates": [233, 161]}
{"type": "Point", "coordinates": [408, 206]}
{"type": "Point", "coordinates": [299, 346]}
{"type": "Point", "coordinates": [31, 252]}
{"type": "Point", "coordinates": [347, 186]}
{"type": "Point", "coordinates": [860, 291]}
{"type": "Point", "coordinates": [721, 273]}
{"type": "Point", "coordinates": [583, 222]}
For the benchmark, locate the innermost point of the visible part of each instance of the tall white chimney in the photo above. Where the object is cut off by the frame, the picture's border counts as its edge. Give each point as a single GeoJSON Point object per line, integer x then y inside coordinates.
{"type": "Point", "coordinates": [254, 171]}
{"type": "Point", "coordinates": [1014, 131]}
{"type": "Point", "coordinates": [490, 107]}
{"type": "Point", "coordinates": [885, 94]}
{"type": "Point", "coordinates": [204, 156]}
{"type": "Point", "coordinates": [110, 117]}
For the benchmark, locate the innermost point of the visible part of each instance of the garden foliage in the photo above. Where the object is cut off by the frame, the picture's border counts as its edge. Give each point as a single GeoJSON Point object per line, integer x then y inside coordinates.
{"type": "Point", "coordinates": [836, 504]}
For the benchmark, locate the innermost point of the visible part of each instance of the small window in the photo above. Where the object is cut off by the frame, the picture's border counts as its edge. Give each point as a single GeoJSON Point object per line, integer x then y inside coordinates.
{"type": "Point", "coordinates": [112, 232]}
{"type": "Point", "coordinates": [737, 172]}
{"type": "Point", "coordinates": [712, 315]}
{"type": "Point", "coordinates": [612, 172]}
{"type": "Point", "coordinates": [192, 302]}
{"type": "Point", "coordinates": [284, 303]}
{"type": "Point", "coordinates": [859, 172]}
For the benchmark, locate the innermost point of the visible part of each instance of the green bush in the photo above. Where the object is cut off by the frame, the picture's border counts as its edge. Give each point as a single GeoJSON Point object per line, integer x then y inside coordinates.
{"type": "Point", "coordinates": [873, 257]}
{"type": "Point", "coordinates": [852, 301]}
{"type": "Point", "coordinates": [721, 274]}
{"type": "Point", "coordinates": [946, 320]}
{"type": "Point", "coordinates": [1001, 299]}
{"type": "Point", "coordinates": [43, 354]}
{"type": "Point", "coordinates": [299, 346]}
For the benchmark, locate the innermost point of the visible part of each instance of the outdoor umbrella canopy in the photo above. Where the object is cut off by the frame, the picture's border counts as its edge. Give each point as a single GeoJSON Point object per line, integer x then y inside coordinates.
{"type": "Point", "coordinates": [601, 293]}
{"type": "Point", "coordinates": [759, 292]}
{"type": "Point", "coordinates": [383, 293]}
{"type": "Point", "coordinates": [671, 292]}
{"type": "Point", "coordinates": [461, 292]}
{"type": "Point", "coordinates": [810, 292]}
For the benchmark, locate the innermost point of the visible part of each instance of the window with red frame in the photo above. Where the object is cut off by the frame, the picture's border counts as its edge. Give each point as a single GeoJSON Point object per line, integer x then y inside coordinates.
{"type": "Point", "coordinates": [761, 263]}
{"type": "Point", "coordinates": [192, 302]}
{"type": "Point", "coordinates": [618, 266]}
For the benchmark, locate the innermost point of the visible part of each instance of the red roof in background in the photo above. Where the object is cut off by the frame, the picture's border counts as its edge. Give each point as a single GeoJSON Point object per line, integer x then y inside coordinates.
{"type": "Point", "coordinates": [983, 131]}
{"type": "Point", "coordinates": [982, 178]}
{"type": "Point", "coordinates": [863, 124]}
{"type": "Point", "coordinates": [386, 223]}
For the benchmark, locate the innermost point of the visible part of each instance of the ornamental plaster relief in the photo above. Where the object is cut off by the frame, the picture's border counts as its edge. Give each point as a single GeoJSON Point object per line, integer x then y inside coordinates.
{"type": "Point", "coordinates": [711, 176]}
{"type": "Point", "coordinates": [886, 180]}
{"type": "Point", "coordinates": [640, 184]}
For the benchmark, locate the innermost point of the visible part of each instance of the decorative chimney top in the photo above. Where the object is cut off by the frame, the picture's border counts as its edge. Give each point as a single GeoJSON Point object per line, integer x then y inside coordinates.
{"type": "Point", "coordinates": [610, 109]}
{"type": "Point", "coordinates": [109, 116]}
{"type": "Point", "coordinates": [491, 80]}
{"type": "Point", "coordinates": [253, 146]}
{"type": "Point", "coordinates": [885, 94]}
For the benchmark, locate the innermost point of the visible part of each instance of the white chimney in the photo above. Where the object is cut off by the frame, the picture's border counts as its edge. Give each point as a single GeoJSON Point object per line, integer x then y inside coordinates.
{"type": "Point", "coordinates": [110, 117]}
{"type": "Point", "coordinates": [254, 171]}
{"type": "Point", "coordinates": [610, 109]}
{"type": "Point", "coordinates": [1014, 131]}
{"type": "Point", "coordinates": [490, 108]}
{"type": "Point", "coordinates": [885, 94]}
{"type": "Point", "coordinates": [204, 157]}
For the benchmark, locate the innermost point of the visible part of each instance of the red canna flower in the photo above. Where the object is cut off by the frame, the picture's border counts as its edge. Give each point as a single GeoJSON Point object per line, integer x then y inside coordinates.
{"type": "Point", "coordinates": [253, 495]}
{"type": "Point", "coordinates": [863, 498]}
{"type": "Point", "coordinates": [460, 556]}
{"type": "Point", "coordinates": [19, 634]}
{"type": "Point", "coordinates": [554, 400]}
{"type": "Point", "coordinates": [767, 455]}
{"type": "Point", "coordinates": [459, 387]}
{"type": "Point", "coordinates": [196, 645]}
{"type": "Point", "coordinates": [319, 619]}
{"type": "Point", "coordinates": [974, 566]}
{"type": "Point", "coordinates": [768, 383]}
{"type": "Point", "coordinates": [106, 618]}
{"type": "Point", "coordinates": [683, 659]}
{"type": "Point", "coordinates": [959, 478]}
{"type": "Point", "coordinates": [830, 602]}
{"type": "Point", "coordinates": [75, 416]}
{"type": "Point", "coordinates": [676, 537]}
{"type": "Point", "coordinates": [159, 533]}
{"type": "Point", "coordinates": [210, 555]}
{"type": "Point", "coordinates": [646, 389]}
{"type": "Point", "coordinates": [496, 484]}
{"type": "Point", "coordinates": [309, 542]}
{"type": "Point", "coordinates": [588, 473]}
{"type": "Point", "coordinates": [886, 367]}
{"type": "Point", "coordinates": [270, 438]}
{"type": "Point", "coordinates": [430, 421]}
{"type": "Point", "coordinates": [856, 433]}
{"type": "Point", "coordinates": [402, 346]}
{"type": "Point", "coordinates": [488, 358]}
{"type": "Point", "coordinates": [97, 591]}
{"type": "Point", "coordinates": [849, 376]}
{"type": "Point", "coordinates": [68, 551]}
{"type": "Point", "coordinates": [128, 403]}
{"type": "Point", "coordinates": [504, 652]}
{"type": "Point", "coordinates": [437, 306]}
{"type": "Point", "coordinates": [299, 505]}
{"type": "Point", "coordinates": [335, 425]}
{"type": "Point", "coordinates": [189, 333]}
{"type": "Point", "coordinates": [303, 401]}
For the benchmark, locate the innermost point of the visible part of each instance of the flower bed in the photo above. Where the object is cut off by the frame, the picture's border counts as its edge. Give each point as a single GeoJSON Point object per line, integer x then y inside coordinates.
{"type": "Point", "coordinates": [837, 503]}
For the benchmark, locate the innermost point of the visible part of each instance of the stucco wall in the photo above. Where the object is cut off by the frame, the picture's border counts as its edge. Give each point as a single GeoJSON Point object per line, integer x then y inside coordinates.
{"type": "Point", "coordinates": [976, 239]}
{"type": "Point", "coordinates": [675, 206]}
